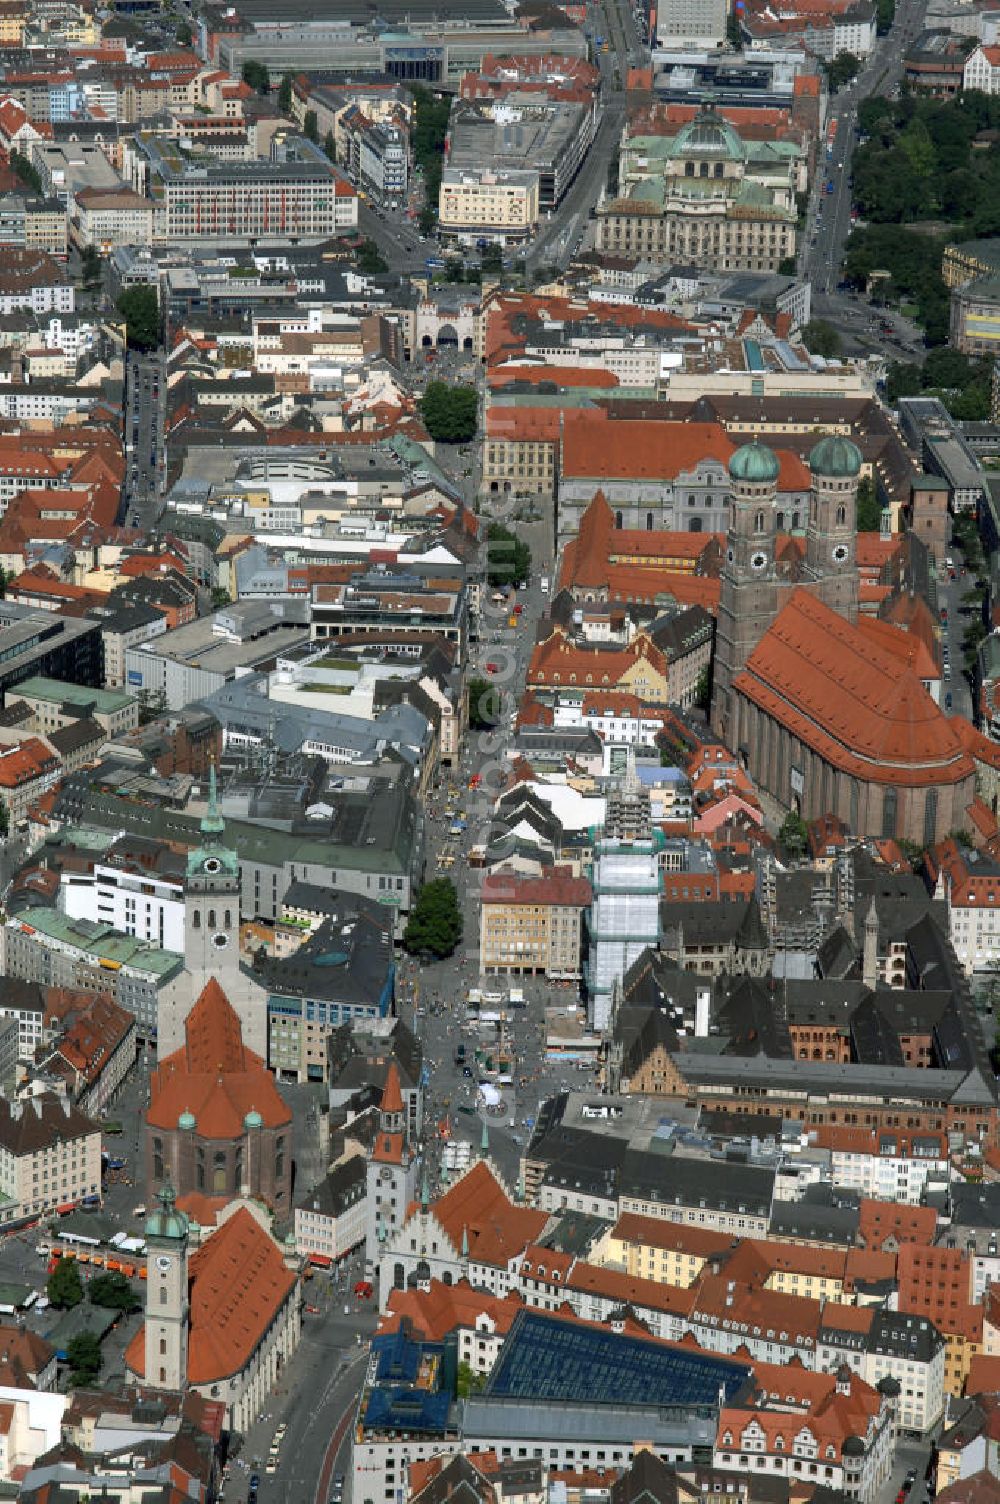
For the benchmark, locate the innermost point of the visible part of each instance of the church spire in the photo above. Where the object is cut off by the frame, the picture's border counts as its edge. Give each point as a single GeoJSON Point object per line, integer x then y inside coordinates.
{"type": "Point", "coordinates": [212, 823]}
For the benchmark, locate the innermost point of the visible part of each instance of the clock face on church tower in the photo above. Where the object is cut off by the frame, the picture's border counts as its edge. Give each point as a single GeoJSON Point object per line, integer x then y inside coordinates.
{"type": "Point", "coordinates": [163, 1263]}
{"type": "Point", "coordinates": [758, 561]}
{"type": "Point", "coordinates": [840, 553]}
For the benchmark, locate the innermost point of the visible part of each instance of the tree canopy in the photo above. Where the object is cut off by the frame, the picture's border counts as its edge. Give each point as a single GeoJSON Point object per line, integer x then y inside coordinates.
{"type": "Point", "coordinates": [794, 834]}
{"type": "Point", "coordinates": [508, 557]}
{"type": "Point", "coordinates": [869, 511]}
{"type": "Point", "coordinates": [843, 68]}
{"type": "Point", "coordinates": [430, 126]}
{"type": "Point", "coordinates": [484, 704]}
{"type": "Point", "coordinates": [256, 75]}
{"type": "Point", "coordinates": [435, 924]}
{"type": "Point", "coordinates": [26, 171]}
{"type": "Point", "coordinates": [112, 1291]}
{"type": "Point", "coordinates": [450, 412]}
{"type": "Point", "coordinates": [821, 338]}
{"type": "Point", "coordinates": [84, 1354]}
{"type": "Point", "coordinates": [139, 306]}
{"type": "Point", "coordinates": [961, 383]}
{"type": "Point", "coordinates": [64, 1288]}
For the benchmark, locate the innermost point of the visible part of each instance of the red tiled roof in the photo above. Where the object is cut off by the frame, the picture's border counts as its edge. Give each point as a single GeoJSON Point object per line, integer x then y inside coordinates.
{"type": "Point", "coordinates": [478, 1206]}
{"type": "Point", "coordinates": [850, 699]}
{"type": "Point", "coordinates": [556, 889]}
{"type": "Point", "coordinates": [237, 1285]}
{"type": "Point", "coordinates": [441, 1309]}
{"type": "Point", "coordinates": [214, 1075]}
{"type": "Point", "coordinates": [880, 1220]}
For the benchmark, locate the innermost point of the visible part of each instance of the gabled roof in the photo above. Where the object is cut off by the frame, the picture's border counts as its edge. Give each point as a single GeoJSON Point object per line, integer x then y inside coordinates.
{"type": "Point", "coordinates": [477, 1206]}
{"type": "Point", "coordinates": [849, 699]}
{"type": "Point", "coordinates": [237, 1285]}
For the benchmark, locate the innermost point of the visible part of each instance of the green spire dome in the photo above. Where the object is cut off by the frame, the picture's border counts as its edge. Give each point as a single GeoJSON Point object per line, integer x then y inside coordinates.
{"type": "Point", "coordinates": [211, 857]}
{"type": "Point", "coordinates": [836, 458]}
{"type": "Point", "coordinates": [186, 1122]}
{"type": "Point", "coordinates": [167, 1223]}
{"type": "Point", "coordinates": [754, 463]}
{"type": "Point", "coordinates": [253, 1119]}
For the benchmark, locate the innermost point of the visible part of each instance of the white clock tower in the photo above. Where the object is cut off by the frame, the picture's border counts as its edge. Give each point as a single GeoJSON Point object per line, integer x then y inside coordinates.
{"type": "Point", "coordinates": [212, 902]}
{"type": "Point", "coordinates": [167, 1295]}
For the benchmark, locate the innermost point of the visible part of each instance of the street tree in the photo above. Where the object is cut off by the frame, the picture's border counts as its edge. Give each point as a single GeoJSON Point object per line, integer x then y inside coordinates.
{"type": "Point", "coordinates": [113, 1291]}
{"type": "Point", "coordinates": [794, 834]}
{"type": "Point", "coordinates": [285, 94]}
{"type": "Point", "coordinates": [450, 412]}
{"type": "Point", "coordinates": [310, 126]}
{"type": "Point", "coordinates": [139, 306]}
{"type": "Point", "coordinates": [84, 1354]}
{"type": "Point", "coordinates": [435, 924]}
{"type": "Point", "coordinates": [844, 67]}
{"type": "Point", "coordinates": [256, 75]}
{"type": "Point", "coordinates": [484, 705]}
{"type": "Point", "coordinates": [821, 338]}
{"type": "Point", "coordinates": [64, 1288]}
{"type": "Point", "coordinates": [508, 558]}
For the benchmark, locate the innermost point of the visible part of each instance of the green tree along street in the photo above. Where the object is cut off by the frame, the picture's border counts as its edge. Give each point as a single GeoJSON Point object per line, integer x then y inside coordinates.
{"type": "Point", "coordinates": [435, 924]}
{"type": "Point", "coordinates": [310, 128]}
{"type": "Point", "coordinates": [285, 94]}
{"type": "Point", "coordinates": [90, 265]}
{"type": "Point", "coordinates": [84, 1354]}
{"type": "Point", "coordinates": [183, 34]}
{"type": "Point", "coordinates": [64, 1288]}
{"type": "Point", "coordinates": [139, 306]}
{"type": "Point", "coordinates": [430, 126]}
{"type": "Point", "coordinates": [918, 161]}
{"type": "Point", "coordinates": [330, 146]}
{"type": "Point", "coordinates": [844, 67]}
{"type": "Point", "coordinates": [794, 834]}
{"type": "Point", "coordinates": [256, 75]}
{"type": "Point", "coordinates": [869, 511]}
{"type": "Point", "coordinates": [4, 820]}
{"type": "Point", "coordinates": [26, 171]}
{"type": "Point", "coordinates": [370, 259]}
{"type": "Point", "coordinates": [962, 384]}
{"type": "Point", "coordinates": [114, 1292]}
{"type": "Point", "coordinates": [821, 338]}
{"type": "Point", "coordinates": [508, 557]}
{"type": "Point", "coordinates": [914, 262]}
{"type": "Point", "coordinates": [484, 704]}
{"type": "Point", "coordinates": [450, 412]}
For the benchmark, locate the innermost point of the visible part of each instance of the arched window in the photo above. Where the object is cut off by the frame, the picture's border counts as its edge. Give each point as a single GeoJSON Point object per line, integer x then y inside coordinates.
{"type": "Point", "coordinates": [718, 169]}
{"type": "Point", "coordinates": [211, 919]}
{"type": "Point", "coordinates": [703, 170]}
{"type": "Point", "coordinates": [196, 921]}
{"type": "Point", "coordinates": [163, 1347]}
{"type": "Point", "coordinates": [618, 519]}
{"type": "Point", "coordinates": [781, 522]}
{"type": "Point", "coordinates": [689, 169]}
{"type": "Point", "coordinates": [163, 1295]}
{"type": "Point", "coordinates": [841, 515]}
{"type": "Point", "coordinates": [795, 519]}
{"type": "Point", "coordinates": [649, 522]}
{"type": "Point", "coordinates": [758, 523]}
{"type": "Point", "coordinates": [229, 920]}
{"type": "Point", "coordinates": [398, 1277]}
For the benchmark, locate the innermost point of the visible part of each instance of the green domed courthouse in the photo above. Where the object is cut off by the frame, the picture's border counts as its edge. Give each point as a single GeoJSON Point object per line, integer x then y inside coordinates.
{"type": "Point", "coordinates": [706, 196]}
{"type": "Point", "coordinates": [825, 708]}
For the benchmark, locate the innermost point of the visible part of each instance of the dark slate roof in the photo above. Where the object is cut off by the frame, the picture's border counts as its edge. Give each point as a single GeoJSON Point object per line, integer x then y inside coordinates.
{"type": "Point", "coordinates": [837, 956]}
{"type": "Point", "coordinates": [342, 1188]}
